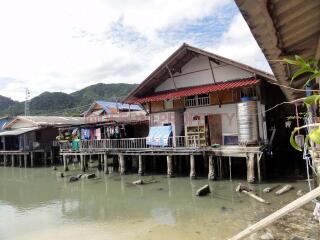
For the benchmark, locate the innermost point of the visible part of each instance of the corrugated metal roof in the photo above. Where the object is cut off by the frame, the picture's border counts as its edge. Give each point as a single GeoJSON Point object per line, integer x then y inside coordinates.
{"type": "Point", "coordinates": [284, 29]}
{"type": "Point", "coordinates": [121, 106]}
{"type": "Point", "coordinates": [48, 121]}
{"type": "Point", "coordinates": [3, 122]}
{"type": "Point", "coordinates": [18, 131]}
{"type": "Point", "coordinates": [197, 90]}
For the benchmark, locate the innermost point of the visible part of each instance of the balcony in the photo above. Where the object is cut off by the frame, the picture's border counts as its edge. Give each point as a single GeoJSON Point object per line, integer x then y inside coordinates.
{"type": "Point", "coordinates": [197, 101]}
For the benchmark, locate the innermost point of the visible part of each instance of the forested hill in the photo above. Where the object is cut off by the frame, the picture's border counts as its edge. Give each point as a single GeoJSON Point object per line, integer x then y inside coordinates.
{"type": "Point", "coordinates": [59, 103]}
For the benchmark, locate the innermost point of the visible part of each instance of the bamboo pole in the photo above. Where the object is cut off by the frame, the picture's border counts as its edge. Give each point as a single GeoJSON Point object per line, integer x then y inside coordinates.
{"type": "Point", "coordinates": [278, 214]}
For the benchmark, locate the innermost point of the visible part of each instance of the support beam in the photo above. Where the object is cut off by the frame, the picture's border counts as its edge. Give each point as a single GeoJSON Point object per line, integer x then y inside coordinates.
{"type": "Point", "coordinates": [122, 164]}
{"type": "Point", "coordinates": [31, 159]}
{"type": "Point", "coordinates": [5, 158]}
{"type": "Point", "coordinates": [141, 167]}
{"type": "Point", "coordinates": [12, 160]}
{"type": "Point", "coordinates": [169, 166]}
{"type": "Point", "coordinates": [192, 167]}
{"type": "Point", "coordinates": [105, 165]}
{"type": "Point", "coordinates": [20, 161]}
{"type": "Point", "coordinates": [211, 174]}
{"type": "Point", "coordinates": [82, 163]}
{"type": "Point", "coordinates": [250, 168]}
{"type": "Point", "coordinates": [65, 163]}
{"type": "Point", "coordinates": [25, 160]}
{"type": "Point", "coordinates": [45, 156]}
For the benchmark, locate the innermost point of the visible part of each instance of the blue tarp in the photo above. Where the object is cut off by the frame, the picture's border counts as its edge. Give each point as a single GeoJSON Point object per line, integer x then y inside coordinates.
{"type": "Point", "coordinates": [159, 136]}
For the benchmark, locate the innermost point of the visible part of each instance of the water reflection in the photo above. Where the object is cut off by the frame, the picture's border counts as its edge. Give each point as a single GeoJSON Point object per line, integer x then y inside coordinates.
{"type": "Point", "coordinates": [36, 199]}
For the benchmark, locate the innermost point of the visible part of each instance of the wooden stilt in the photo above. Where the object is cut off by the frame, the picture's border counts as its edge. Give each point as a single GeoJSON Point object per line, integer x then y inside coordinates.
{"type": "Point", "coordinates": [20, 161]}
{"type": "Point", "coordinates": [82, 164]}
{"type": "Point", "coordinates": [45, 156]}
{"type": "Point", "coordinates": [122, 164]}
{"type": "Point", "coordinates": [211, 174]}
{"type": "Point", "coordinates": [65, 163]}
{"type": "Point", "coordinates": [5, 160]}
{"type": "Point", "coordinates": [230, 169]}
{"type": "Point", "coordinates": [141, 167]}
{"type": "Point", "coordinates": [250, 168]}
{"type": "Point", "coordinates": [12, 160]}
{"type": "Point", "coordinates": [192, 167]}
{"type": "Point", "coordinates": [169, 166]}
{"type": "Point", "coordinates": [52, 157]}
{"type": "Point", "coordinates": [25, 160]}
{"type": "Point", "coordinates": [31, 159]}
{"type": "Point", "coordinates": [105, 158]}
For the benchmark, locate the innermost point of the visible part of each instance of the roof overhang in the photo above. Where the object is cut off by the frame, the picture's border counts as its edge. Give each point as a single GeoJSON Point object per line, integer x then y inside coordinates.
{"type": "Point", "coordinates": [284, 29]}
{"type": "Point", "coordinates": [190, 91]}
{"type": "Point", "coordinates": [17, 132]}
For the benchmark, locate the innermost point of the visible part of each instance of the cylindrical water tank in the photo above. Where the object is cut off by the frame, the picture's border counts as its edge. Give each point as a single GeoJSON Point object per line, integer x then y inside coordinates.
{"type": "Point", "coordinates": [248, 132]}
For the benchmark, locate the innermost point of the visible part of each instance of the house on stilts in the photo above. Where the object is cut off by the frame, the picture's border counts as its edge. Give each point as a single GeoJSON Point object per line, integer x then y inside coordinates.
{"type": "Point", "coordinates": [203, 109]}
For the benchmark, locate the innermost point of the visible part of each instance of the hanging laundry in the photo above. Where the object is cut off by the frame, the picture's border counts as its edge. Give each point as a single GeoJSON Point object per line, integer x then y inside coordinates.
{"type": "Point", "coordinates": [98, 133]}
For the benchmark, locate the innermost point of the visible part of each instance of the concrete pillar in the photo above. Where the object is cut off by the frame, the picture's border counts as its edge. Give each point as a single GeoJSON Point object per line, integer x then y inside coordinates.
{"type": "Point", "coordinates": [169, 166]}
{"type": "Point", "coordinates": [192, 167]}
{"type": "Point", "coordinates": [122, 164]}
{"type": "Point", "coordinates": [141, 167]}
{"type": "Point", "coordinates": [105, 165]}
{"type": "Point", "coordinates": [65, 163]}
{"type": "Point", "coordinates": [211, 174]}
{"type": "Point", "coordinates": [12, 160]}
{"type": "Point", "coordinates": [250, 168]}
{"type": "Point", "coordinates": [31, 159]}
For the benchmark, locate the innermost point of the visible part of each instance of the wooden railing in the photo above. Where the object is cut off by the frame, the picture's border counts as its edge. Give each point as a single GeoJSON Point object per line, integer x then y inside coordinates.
{"type": "Point", "coordinates": [131, 144]}
{"type": "Point", "coordinates": [198, 101]}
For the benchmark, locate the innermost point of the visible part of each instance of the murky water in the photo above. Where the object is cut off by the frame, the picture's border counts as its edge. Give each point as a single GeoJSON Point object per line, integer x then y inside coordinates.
{"type": "Point", "coordinates": [35, 204]}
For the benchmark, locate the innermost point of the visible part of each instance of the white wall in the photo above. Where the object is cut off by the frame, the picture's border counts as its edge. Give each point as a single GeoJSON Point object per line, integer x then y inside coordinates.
{"type": "Point", "coordinates": [228, 116]}
{"type": "Point", "coordinates": [200, 74]}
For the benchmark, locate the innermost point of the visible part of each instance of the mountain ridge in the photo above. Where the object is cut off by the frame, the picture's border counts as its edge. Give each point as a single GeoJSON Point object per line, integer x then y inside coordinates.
{"type": "Point", "coordinates": [60, 103]}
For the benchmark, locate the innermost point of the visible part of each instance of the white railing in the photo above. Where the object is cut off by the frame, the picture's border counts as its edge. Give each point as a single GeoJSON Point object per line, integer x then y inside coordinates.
{"type": "Point", "coordinates": [132, 144]}
{"type": "Point", "coordinates": [198, 101]}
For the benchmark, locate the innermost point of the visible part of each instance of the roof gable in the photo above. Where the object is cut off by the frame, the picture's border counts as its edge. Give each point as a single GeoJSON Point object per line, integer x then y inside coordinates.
{"type": "Point", "coordinates": [177, 60]}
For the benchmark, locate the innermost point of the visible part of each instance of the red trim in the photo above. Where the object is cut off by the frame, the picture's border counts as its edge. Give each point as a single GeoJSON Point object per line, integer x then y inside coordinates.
{"type": "Point", "coordinates": [185, 92]}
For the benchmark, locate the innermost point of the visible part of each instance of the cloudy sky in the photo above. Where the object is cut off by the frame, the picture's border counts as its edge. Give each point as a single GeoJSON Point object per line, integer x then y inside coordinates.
{"type": "Point", "coordinates": [64, 45]}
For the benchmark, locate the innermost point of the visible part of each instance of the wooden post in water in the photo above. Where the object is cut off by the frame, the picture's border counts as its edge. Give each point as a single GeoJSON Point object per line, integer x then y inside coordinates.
{"type": "Point", "coordinates": [169, 166]}
{"type": "Point", "coordinates": [12, 160]}
{"type": "Point", "coordinates": [20, 161]}
{"type": "Point", "coordinates": [5, 160]}
{"type": "Point", "coordinates": [141, 168]}
{"type": "Point", "coordinates": [65, 163]}
{"type": "Point", "coordinates": [211, 174]}
{"type": "Point", "coordinates": [192, 167]}
{"type": "Point", "coordinates": [122, 164]}
{"type": "Point", "coordinates": [82, 164]}
{"type": "Point", "coordinates": [31, 159]}
{"type": "Point", "coordinates": [105, 165]}
{"type": "Point", "coordinates": [250, 168]}
{"type": "Point", "coordinates": [45, 156]}
{"type": "Point", "coordinates": [25, 160]}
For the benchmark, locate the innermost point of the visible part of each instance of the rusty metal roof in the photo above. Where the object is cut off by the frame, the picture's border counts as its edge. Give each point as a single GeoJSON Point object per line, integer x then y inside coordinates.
{"type": "Point", "coordinates": [190, 91]}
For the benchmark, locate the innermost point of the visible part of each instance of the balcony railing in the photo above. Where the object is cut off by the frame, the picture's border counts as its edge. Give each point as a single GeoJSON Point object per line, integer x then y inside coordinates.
{"type": "Point", "coordinates": [197, 101]}
{"type": "Point", "coordinates": [130, 144]}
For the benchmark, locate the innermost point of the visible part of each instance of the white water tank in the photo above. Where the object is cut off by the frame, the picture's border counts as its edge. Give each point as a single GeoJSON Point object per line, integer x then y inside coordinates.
{"type": "Point", "coordinates": [248, 131]}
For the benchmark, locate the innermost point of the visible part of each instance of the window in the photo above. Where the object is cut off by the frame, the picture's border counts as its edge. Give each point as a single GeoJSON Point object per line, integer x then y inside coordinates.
{"type": "Point", "coordinates": [168, 104]}
{"type": "Point", "coordinates": [197, 100]}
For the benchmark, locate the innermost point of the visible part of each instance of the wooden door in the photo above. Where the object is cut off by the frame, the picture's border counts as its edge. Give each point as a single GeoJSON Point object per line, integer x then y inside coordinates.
{"type": "Point", "coordinates": [215, 128]}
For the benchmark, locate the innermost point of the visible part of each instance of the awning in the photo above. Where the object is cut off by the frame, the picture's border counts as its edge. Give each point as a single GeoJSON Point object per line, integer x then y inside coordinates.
{"type": "Point", "coordinates": [190, 91]}
{"type": "Point", "coordinates": [16, 132]}
{"type": "Point", "coordinates": [159, 136]}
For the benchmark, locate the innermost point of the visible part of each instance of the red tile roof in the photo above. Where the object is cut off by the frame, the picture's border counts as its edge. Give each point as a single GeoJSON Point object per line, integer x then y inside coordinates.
{"type": "Point", "coordinates": [190, 91]}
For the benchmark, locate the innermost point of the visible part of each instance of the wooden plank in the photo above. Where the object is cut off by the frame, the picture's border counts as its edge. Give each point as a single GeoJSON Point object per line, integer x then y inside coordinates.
{"type": "Point", "coordinates": [215, 128]}
{"type": "Point", "coordinates": [278, 214]}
